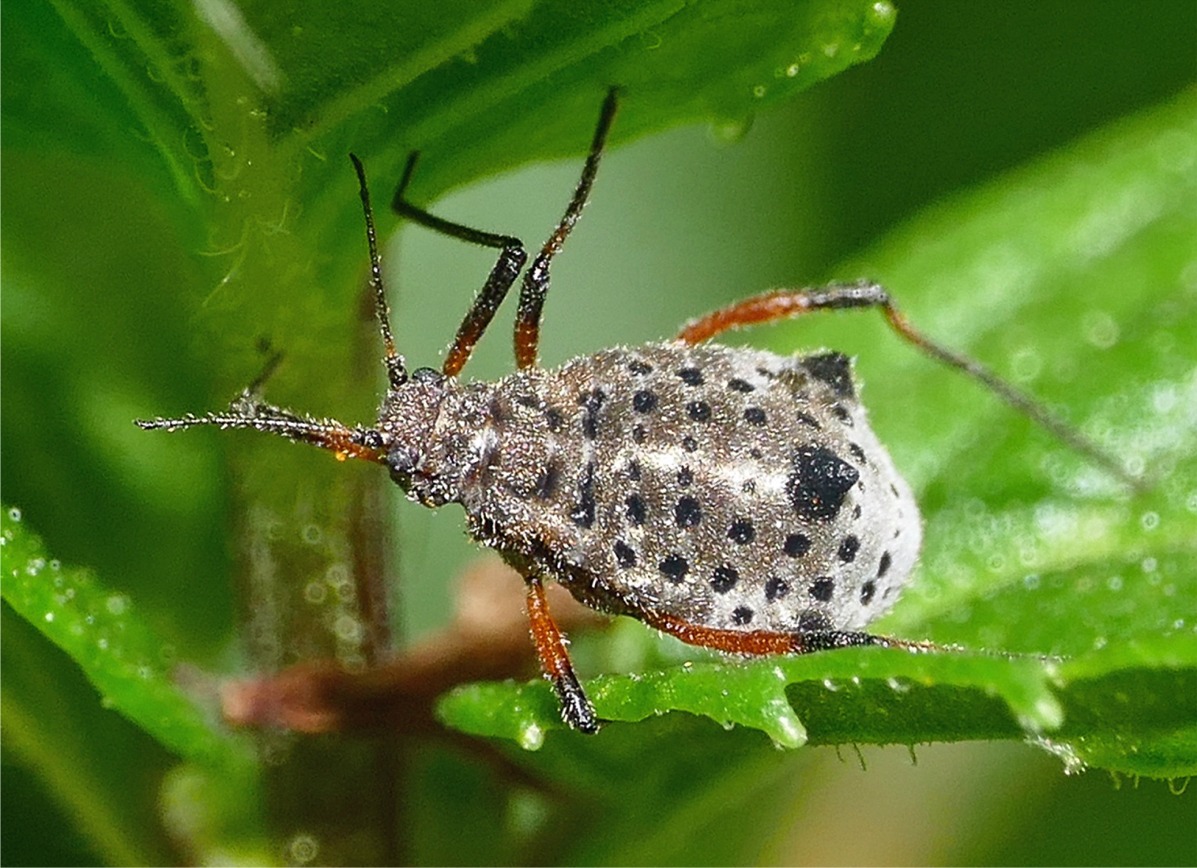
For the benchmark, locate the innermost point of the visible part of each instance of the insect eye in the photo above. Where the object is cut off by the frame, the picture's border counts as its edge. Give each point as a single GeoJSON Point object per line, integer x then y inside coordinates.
{"type": "Point", "coordinates": [402, 461]}
{"type": "Point", "coordinates": [427, 375]}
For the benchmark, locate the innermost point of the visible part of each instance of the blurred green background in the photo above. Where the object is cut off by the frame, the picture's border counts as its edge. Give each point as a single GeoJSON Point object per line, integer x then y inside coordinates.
{"type": "Point", "coordinates": [680, 222]}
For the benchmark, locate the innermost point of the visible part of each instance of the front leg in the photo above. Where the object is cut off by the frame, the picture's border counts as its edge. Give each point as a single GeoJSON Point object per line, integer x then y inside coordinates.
{"type": "Point", "coordinates": [576, 709]}
{"type": "Point", "coordinates": [554, 660]}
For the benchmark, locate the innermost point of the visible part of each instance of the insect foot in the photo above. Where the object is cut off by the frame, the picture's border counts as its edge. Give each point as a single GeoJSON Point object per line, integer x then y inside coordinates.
{"type": "Point", "coordinates": [733, 498]}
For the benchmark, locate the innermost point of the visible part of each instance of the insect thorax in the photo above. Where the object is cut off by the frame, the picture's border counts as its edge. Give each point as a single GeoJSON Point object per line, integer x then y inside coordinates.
{"type": "Point", "coordinates": [726, 487]}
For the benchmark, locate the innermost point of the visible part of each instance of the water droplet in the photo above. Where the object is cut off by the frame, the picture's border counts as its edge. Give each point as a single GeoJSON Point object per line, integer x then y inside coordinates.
{"type": "Point", "coordinates": [312, 535]}
{"type": "Point", "coordinates": [1101, 330]}
{"type": "Point", "coordinates": [531, 736]}
{"type": "Point", "coordinates": [793, 69]}
{"type": "Point", "coordinates": [49, 617]}
{"type": "Point", "coordinates": [1073, 764]}
{"type": "Point", "coordinates": [1149, 520]}
{"type": "Point", "coordinates": [14, 513]}
{"type": "Point", "coordinates": [759, 91]}
{"type": "Point", "coordinates": [117, 604]}
{"type": "Point", "coordinates": [315, 593]}
{"type": "Point", "coordinates": [729, 131]}
{"type": "Point", "coordinates": [348, 629]}
{"type": "Point", "coordinates": [303, 848]}
{"type": "Point", "coordinates": [1148, 565]}
{"type": "Point", "coordinates": [830, 685]}
{"type": "Point", "coordinates": [1114, 583]}
{"type": "Point", "coordinates": [1025, 365]}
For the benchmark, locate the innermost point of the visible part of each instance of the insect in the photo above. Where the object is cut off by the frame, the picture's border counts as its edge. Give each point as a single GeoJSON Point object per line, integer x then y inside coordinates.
{"type": "Point", "coordinates": [731, 497]}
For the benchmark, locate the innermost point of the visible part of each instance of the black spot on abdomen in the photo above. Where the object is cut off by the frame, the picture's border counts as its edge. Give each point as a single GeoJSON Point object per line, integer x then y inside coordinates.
{"type": "Point", "coordinates": [834, 369]}
{"type": "Point", "coordinates": [819, 483]}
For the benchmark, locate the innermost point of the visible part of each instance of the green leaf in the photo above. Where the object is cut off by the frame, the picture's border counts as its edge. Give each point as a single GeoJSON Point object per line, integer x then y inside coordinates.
{"type": "Point", "coordinates": [1045, 555]}
{"type": "Point", "coordinates": [133, 669]}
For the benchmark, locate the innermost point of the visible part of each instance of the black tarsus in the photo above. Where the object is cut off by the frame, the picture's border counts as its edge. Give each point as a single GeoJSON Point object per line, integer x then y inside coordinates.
{"type": "Point", "coordinates": [396, 372]}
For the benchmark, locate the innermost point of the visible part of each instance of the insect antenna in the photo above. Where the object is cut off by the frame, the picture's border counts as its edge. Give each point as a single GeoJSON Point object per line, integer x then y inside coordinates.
{"type": "Point", "coordinates": [248, 410]}
{"type": "Point", "coordinates": [396, 371]}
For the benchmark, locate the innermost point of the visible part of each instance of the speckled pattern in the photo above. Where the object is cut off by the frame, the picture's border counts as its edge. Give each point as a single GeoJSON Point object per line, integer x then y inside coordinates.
{"type": "Point", "coordinates": [729, 488]}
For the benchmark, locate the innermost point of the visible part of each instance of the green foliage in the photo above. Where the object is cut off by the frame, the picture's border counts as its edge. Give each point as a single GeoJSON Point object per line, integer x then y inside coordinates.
{"type": "Point", "coordinates": [1033, 573]}
{"type": "Point", "coordinates": [198, 200]}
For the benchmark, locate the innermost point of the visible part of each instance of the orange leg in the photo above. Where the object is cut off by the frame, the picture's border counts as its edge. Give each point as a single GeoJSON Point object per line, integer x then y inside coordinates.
{"type": "Point", "coordinates": [788, 303]}
{"type": "Point", "coordinates": [763, 643]}
{"type": "Point", "coordinates": [576, 709]}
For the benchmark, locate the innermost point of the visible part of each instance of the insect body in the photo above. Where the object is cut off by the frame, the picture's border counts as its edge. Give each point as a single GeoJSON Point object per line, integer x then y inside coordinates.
{"type": "Point", "coordinates": [734, 498]}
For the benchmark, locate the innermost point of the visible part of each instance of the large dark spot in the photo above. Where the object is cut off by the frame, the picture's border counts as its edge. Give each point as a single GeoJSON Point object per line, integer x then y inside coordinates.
{"type": "Point", "coordinates": [546, 482]}
{"type": "Point", "coordinates": [741, 531]}
{"type": "Point", "coordinates": [848, 548]}
{"type": "Point", "coordinates": [741, 615]}
{"type": "Point", "coordinates": [699, 411]}
{"type": "Point", "coordinates": [724, 578]}
{"type": "Point", "coordinates": [583, 510]}
{"type": "Point", "coordinates": [625, 555]}
{"type": "Point", "coordinates": [819, 483]}
{"type": "Point", "coordinates": [690, 376]}
{"type": "Point", "coordinates": [797, 544]}
{"type": "Point", "coordinates": [742, 386]}
{"type": "Point", "coordinates": [636, 366]}
{"type": "Point", "coordinates": [776, 588]}
{"type": "Point", "coordinates": [754, 416]}
{"type": "Point", "coordinates": [883, 567]}
{"type": "Point", "coordinates": [591, 402]}
{"type": "Point", "coordinates": [687, 513]}
{"type": "Point", "coordinates": [867, 590]}
{"type": "Point", "coordinates": [674, 567]}
{"type": "Point", "coordinates": [644, 401]}
{"type": "Point", "coordinates": [813, 622]}
{"type": "Point", "coordinates": [822, 589]}
{"type": "Point", "coordinates": [636, 508]}
{"type": "Point", "coordinates": [834, 369]}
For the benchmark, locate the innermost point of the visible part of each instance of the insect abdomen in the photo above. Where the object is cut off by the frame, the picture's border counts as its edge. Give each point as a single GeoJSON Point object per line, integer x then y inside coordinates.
{"type": "Point", "coordinates": [726, 487]}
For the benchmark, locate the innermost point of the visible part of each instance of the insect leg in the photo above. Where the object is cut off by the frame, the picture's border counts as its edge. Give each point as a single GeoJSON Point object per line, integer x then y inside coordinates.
{"type": "Point", "coordinates": [536, 280]}
{"type": "Point", "coordinates": [576, 709]}
{"type": "Point", "coordinates": [506, 268]}
{"type": "Point", "coordinates": [765, 643]}
{"type": "Point", "coordinates": [787, 303]}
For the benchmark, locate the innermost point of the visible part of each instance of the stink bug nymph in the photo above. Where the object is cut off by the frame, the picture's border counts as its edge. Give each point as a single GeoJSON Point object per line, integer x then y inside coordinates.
{"type": "Point", "coordinates": [731, 497]}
